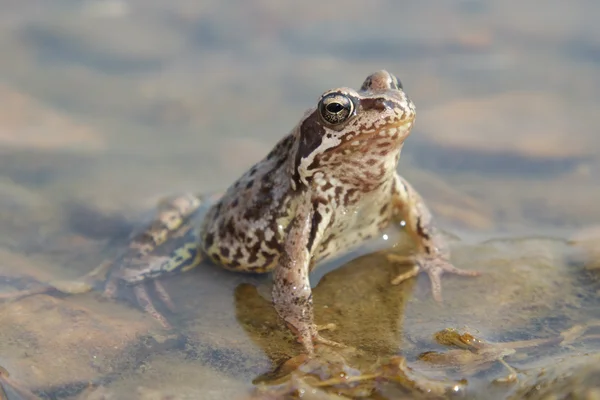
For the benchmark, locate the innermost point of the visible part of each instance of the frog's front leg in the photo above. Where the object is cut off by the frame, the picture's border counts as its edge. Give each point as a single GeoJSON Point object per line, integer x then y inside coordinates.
{"type": "Point", "coordinates": [433, 255]}
{"type": "Point", "coordinates": [292, 294]}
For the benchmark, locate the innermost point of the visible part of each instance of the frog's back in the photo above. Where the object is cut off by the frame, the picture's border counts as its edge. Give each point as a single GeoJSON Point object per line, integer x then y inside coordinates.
{"type": "Point", "coordinates": [243, 231]}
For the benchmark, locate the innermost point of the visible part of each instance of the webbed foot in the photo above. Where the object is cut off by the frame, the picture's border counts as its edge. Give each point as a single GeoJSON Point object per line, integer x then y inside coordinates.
{"type": "Point", "coordinates": [143, 299]}
{"type": "Point", "coordinates": [434, 266]}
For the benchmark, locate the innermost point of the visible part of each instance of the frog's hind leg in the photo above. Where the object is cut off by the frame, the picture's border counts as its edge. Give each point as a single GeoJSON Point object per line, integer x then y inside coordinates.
{"type": "Point", "coordinates": [185, 257]}
{"type": "Point", "coordinates": [173, 213]}
{"type": "Point", "coordinates": [166, 247]}
{"type": "Point", "coordinates": [171, 221]}
{"type": "Point", "coordinates": [182, 259]}
{"type": "Point", "coordinates": [140, 290]}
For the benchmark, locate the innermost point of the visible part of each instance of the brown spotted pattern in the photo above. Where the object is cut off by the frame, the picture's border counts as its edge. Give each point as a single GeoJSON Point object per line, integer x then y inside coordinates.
{"type": "Point", "coordinates": [348, 169]}
{"type": "Point", "coordinates": [326, 187]}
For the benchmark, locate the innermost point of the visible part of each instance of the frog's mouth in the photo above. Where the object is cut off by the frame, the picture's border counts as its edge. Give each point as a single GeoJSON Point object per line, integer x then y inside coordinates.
{"type": "Point", "coordinates": [392, 135]}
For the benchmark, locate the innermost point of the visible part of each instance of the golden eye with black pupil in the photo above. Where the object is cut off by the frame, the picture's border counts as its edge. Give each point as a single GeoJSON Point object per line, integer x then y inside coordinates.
{"type": "Point", "coordinates": [336, 108]}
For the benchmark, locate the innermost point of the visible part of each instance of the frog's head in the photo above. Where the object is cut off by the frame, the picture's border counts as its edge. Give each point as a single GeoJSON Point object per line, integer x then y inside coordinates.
{"type": "Point", "coordinates": [354, 136]}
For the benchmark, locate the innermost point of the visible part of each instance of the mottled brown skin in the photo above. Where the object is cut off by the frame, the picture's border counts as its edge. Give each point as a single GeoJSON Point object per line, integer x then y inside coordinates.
{"type": "Point", "coordinates": [326, 187]}
{"type": "Point", "coordinates": [323, 189]}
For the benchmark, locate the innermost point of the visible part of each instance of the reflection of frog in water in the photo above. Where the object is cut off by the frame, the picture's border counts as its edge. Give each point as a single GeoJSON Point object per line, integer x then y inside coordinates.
{"type": "Point", "coordinates": [324, 188]}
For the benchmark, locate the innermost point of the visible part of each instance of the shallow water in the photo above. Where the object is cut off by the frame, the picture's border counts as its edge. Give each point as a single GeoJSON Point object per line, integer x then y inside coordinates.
{"type": "Point", "coordinates": [107, 106]}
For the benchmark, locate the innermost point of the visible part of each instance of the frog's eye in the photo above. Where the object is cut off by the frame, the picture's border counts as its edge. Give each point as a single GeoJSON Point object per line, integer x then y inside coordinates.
{"type": "Point", "coordinates": [336, 108]}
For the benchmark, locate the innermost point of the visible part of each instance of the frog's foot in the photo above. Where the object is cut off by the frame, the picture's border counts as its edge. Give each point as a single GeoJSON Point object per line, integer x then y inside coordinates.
{"type": "Point", "coordinates": [321, 340]}
{"type": "Point", "coordinates": [326, 327]}
{"type": "Point", "coordinates": [143, 299]}
{"type": "Point", "coordinates": [163, 295]}
{"type": "Point", "coordinates": [433, 266]}
{"type": "Point", "coordinates": [309, 335]}
{"type": "Point", "coordinates": [110, 289]}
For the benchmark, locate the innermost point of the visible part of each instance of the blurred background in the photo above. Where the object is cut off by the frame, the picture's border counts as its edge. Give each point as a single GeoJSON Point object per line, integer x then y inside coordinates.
{"type": "Point", "coordinates": [118, 102]}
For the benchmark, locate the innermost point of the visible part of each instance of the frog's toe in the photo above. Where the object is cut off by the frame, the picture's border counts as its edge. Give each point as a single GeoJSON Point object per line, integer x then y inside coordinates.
{"type": "Point", "coordinates": [435, 277]}
{"type": "Point", "coordinates": [164, 295]}
{"type": "Point", "coordinates": [309, 335]}
{"type": "Point", "coordinates": [462, 272]}
{"type": "Point", "coordinates": [327, 327]}
{"type": "Point", "coordinates": [434, 267]}
{"type": "Point", "coordinates": [411, 273]}
{"type": "Point", "coordinates": [145, 302]}
{"type": "Point", "coordinates": [110, 289]}
{"type": "Point", "coordinates": [321, 340]}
